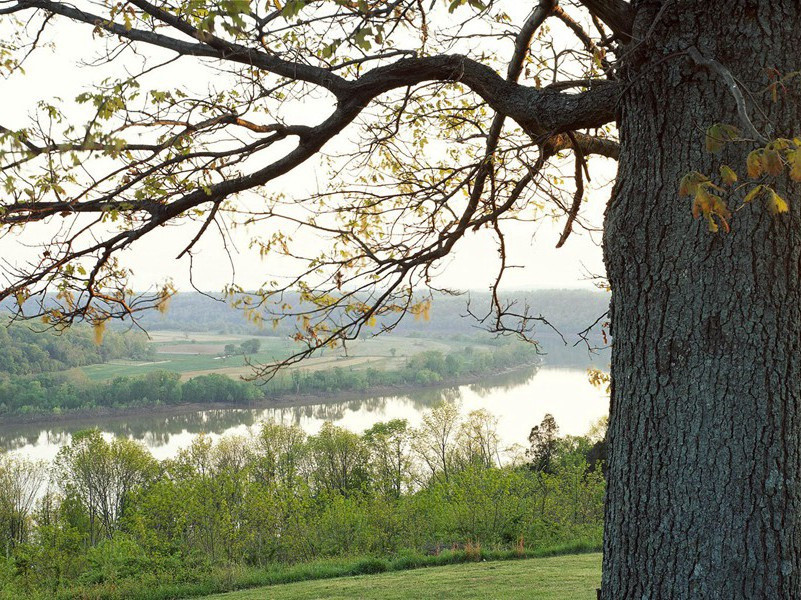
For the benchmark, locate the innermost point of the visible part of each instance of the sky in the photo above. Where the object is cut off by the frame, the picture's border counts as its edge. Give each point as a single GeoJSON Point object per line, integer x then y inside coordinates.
{"type": "Point", "coordinates": [473, 265]}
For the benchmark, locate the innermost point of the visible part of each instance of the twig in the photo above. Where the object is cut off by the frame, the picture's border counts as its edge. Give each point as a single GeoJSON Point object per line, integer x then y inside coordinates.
{"type": "Point", "coordinates": [742, 110]}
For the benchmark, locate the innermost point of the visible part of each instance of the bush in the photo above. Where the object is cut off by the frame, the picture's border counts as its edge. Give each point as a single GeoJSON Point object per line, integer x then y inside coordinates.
{"type": "Point", "coordinates": [369, 566]}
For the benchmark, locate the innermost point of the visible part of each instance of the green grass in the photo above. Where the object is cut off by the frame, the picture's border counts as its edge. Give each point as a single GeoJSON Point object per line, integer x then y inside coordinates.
{"type": "Point", "coordinates": [573, 577]}
{"type": "Point", "coordinates": [567, 571]}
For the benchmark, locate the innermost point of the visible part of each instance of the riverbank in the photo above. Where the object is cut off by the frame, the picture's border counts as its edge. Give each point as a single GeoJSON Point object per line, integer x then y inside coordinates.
{"type": "Point", "coordinates": [279, 401]}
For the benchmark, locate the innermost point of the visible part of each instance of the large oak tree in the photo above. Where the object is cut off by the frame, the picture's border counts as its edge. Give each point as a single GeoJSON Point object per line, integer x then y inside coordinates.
{"type": "Point", "coordinates": [451, 117]}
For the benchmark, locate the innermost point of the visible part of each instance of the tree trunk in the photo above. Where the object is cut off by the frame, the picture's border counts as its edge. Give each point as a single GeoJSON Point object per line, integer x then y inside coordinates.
{"type": "Point", "coordinates": [703, 492]}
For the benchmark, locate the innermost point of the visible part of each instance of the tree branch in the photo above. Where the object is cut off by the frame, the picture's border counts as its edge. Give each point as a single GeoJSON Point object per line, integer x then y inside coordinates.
{"type": "Point", "coordinates": [537, 111]}
{"type": "Point", "coordinates": [211, 47]}
{"type": "Point", "coordinates": [742, 110]}
{"type": "Point", "coordinates": [618, 15]}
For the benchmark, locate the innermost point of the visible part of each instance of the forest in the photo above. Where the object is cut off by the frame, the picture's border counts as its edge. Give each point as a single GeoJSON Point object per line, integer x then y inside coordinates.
{"type": "Point", "coordinates": [25, 350]}
{"type": "Point", "coordinates": [55, 393]}
{"type": "Point", "coordinates": [107, 520]}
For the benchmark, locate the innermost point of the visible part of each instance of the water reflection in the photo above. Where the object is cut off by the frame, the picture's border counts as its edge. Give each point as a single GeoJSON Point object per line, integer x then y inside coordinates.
{"type": "Point", "coordinates": [519, 400]}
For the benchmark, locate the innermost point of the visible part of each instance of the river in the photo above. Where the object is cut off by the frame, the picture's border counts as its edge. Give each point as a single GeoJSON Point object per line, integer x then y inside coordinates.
{"type": "Point", "coordinates": [519, 400]}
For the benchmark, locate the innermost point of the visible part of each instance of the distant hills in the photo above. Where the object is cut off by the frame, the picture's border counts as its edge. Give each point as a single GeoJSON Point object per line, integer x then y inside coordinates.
{"type": "Point", "coordinates": [569, 311]}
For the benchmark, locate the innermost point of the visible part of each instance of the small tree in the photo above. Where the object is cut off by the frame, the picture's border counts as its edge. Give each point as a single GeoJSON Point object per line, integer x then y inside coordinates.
{"type": "Point", "coordinates": [282, 454]}
{"type": "Point", "coordinates": [435, 440]}
{"type": "Point", "coordinates": [251, 346]}
{"type": "Point", "coordinates": [339, 460]}
{"type": "Point", "coordinates": [543, 443]}
{"type": "Point", "coordinates": [21, 481]}
{"type": "Point", "coordinates": [479, 440]}
{"type": "Point", "coordinates": [391, 461]}
{"type": "Point", "coordinates": [101, 475]}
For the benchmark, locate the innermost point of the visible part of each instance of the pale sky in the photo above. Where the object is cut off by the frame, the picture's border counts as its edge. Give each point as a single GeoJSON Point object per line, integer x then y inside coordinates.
{"type": "Point", "coordinates": [472, 266]}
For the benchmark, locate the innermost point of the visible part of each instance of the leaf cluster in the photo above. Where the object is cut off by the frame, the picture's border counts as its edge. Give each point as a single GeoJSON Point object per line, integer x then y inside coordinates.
{"type": "Point", "coordinates": [764, 166]}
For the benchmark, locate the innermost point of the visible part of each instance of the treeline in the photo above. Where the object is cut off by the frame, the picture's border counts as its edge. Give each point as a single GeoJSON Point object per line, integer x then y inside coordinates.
{"type": "Point", "coordinates": [55, 393]}
{"type": "Point", "coordinates": [110, 521]}
{"type": "Point", "coordinates": [570, 311]}
{"type": "Point", "coordinates": [24, 352]}
{"type": "Point", "coordinates": [426, 368]}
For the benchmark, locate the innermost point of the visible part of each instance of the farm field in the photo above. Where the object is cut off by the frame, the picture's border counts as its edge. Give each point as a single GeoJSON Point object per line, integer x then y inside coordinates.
{"type": "Point", "coordinates": [193, 354]}
{"type": "Point", "coordinates": [572, 577]}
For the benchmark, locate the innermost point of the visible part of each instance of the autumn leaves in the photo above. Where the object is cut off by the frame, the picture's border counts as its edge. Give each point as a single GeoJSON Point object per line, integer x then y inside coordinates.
{"type": "Point", "coordinates": [764, 166]}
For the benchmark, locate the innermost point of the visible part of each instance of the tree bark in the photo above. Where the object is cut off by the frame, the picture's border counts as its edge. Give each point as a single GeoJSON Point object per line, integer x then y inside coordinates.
{"type": "Point", "coordinates": [703, 499]}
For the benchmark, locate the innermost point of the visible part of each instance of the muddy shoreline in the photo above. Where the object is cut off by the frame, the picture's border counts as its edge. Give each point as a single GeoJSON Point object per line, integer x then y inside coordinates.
{"type": "Point", "coordinates": [283, 401]}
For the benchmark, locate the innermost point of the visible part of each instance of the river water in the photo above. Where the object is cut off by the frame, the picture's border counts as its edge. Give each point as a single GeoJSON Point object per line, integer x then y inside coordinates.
{"type": "Point", "coordinates": [519, 400]}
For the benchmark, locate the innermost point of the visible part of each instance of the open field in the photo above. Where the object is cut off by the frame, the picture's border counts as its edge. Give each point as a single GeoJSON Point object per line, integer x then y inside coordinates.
{"type": "Point", "coordinates": [572, 577]}
{"type": "Point", "coordinates": [193, 354]}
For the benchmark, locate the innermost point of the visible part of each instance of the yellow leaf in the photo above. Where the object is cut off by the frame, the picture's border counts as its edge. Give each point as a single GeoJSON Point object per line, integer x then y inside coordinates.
{"type": "Point", "coordinates": [773, 162]}
{"type": "Point", "coordinates": [777, 204]}
{"type": "Point", "coordinates": [99, 329]}
{"type": "Point", "coordinates": [713, 141]}
{"type": "Point", "coordinates": [719, 207]}
{"type": "Point", "coordinates": [163, 304]}
{"type": "Point", "coordinates": [697, 209]}
{"type": "Point", "coordinates": [753, 194]}
{"type": "Point", "coordinates": [780, 144]}
{"type": "Point", "coordinates": [728, 176]}
{"type": "Point", "coordinates": [754, 164]}
{"type": "Point", "coordinates": [702, 205]}
{"type": "Point", "coordinates": [718, 134]}
{"type": "Point", "coordinates": [794, 160]}
{"type": "Point", "coordinates": [688, 186]}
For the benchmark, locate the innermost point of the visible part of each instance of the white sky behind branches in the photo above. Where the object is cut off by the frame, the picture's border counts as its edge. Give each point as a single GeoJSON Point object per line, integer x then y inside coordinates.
{"type": "Point", "coordinates": [473, 265]}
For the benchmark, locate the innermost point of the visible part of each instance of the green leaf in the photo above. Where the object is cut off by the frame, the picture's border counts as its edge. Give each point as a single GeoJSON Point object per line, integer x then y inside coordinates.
{"type": "Point", "coordinates": [718, 134]}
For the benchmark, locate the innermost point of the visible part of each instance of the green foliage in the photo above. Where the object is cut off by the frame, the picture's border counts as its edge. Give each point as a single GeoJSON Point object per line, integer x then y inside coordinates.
{"type": "Point", "coordinates": [215, 388]}
{"type": "Point", "coordinates": [284, 506]}
{"type": "Point", "coordinates": [58, 392]}
{"type": "Point", "coordinates": [24, 351]}
{"type": "Point", "coordinates": [719, 134]}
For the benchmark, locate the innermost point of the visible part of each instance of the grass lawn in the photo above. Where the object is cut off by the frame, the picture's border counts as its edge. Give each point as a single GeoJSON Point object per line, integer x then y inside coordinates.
{"type": "Point", "coordinates": [572, 577]}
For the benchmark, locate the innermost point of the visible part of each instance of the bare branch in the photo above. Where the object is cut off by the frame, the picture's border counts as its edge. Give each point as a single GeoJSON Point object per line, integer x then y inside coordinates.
{"type": "Point", "coordinates": [618, 15]}
{"type": "Point", "coordinates": [742, 110]}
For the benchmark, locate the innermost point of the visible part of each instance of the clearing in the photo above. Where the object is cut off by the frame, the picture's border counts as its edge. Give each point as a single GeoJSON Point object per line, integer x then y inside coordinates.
{"type": "Point", "coordinates": [572, 577]}
{"type": "Point", "coordinates": [199, 353]}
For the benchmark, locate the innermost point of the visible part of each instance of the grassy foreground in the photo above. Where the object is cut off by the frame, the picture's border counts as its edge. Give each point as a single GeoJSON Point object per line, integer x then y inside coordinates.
{"type": "Point", "coordinates": [572, 577]}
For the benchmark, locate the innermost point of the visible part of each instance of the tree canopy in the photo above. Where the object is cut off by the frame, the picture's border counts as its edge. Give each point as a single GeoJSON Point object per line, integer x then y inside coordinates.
{"type": "Point", "coordinates": [430, 119]}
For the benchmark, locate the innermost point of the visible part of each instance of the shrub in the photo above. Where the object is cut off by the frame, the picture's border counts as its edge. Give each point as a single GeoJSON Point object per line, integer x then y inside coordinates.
{"type": "Point", "coordinates": [369, 566]}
